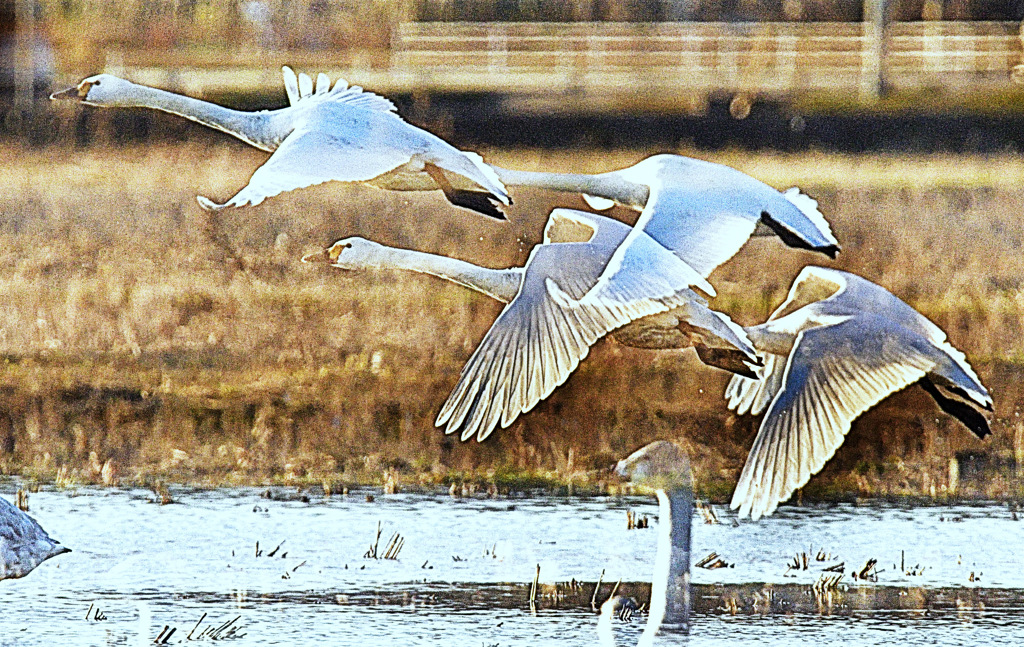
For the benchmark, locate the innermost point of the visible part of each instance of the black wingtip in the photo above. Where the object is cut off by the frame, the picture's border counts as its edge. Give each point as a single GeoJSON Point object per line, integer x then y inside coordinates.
{"type": "Point", "coordinates": [734, 361]}
{"type": "Point", "coordinates": [792, 239]}
{"type": "Point", "coordinates": [478, 201]}
{"type": "Point", "coordinates": [481, 202]}
{"type": "Point", "coordinates": [965, 413]}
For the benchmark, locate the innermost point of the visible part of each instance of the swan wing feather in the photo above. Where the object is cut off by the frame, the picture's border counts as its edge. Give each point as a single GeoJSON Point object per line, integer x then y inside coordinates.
{"type": "Point", "coordinates": [540, 338]}
{"type": "Point", "coordinates": [833, 374]}
{"type": "Point", "coordinates": [308, 157]}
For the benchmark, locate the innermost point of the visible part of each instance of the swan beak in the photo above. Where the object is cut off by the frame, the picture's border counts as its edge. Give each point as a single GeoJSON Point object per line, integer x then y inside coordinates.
{"type": "Point", "coordinates": [76, 93]}
{"type": "Point", "coordinates": [323, 256]}
{"type": "Point", "coordinates": [329, 255]}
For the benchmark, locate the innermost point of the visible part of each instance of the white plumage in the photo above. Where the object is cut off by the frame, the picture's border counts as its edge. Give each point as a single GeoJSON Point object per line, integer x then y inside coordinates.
{"type": "Point", "coordinates": [545, 331]}
{"type": "Point", "coordinates": [702, 211]}
{"type": "Point", "coordinates": [23, 543]}
{"type": "Point", "coordinates": [342, 133]}
{"type": "Point", "coordinates": [837, 346]}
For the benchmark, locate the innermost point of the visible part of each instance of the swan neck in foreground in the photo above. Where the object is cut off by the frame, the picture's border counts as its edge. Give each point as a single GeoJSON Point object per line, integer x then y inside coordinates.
{"type": "Point", "coordinates": [604, 185]}
{"type": "Point", "coordinates": [670, 587]}
{"type": "Point", "coordinates": [502, 285]}
{"type": "Point", "coordinates": [251, 127]}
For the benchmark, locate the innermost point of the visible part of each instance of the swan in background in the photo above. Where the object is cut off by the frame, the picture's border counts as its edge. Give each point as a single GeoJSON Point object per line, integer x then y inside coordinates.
{"type": "Point", "coordinates": [837, 346]}
{"type": "Point", "coordinates": [543, 333]}
{"type": "Point", "coordinates": [664, 467]}
{"type": "Point", "coordinates": [702, 211]}
{"type": "Point", "coordinates": [23, 543]}
{"type": "Point", "coordinates": [341, 133]}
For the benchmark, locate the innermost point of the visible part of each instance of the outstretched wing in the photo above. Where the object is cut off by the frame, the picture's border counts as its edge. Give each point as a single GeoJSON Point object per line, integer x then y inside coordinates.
{"type": "Point", "coordinates": [705, 212]}
{"type": "Point", "coordinates": [833, 375]}
{"type": "Point", "coordinates": [745, 395]}
{"type": "Point", "coordinates": [543, 334]}
{"type": "Point", "coordinates": [310, 156]}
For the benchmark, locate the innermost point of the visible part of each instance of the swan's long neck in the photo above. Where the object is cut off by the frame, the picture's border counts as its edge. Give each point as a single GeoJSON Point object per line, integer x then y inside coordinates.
{"type": "Point", "coordinates": [670, 587]}
{"type": "Point", "coordinates": [604, 185]}
{"type": "Point", "coordinates": [502, 285]}
{"type": "Point", "coordinates": [255, 128]}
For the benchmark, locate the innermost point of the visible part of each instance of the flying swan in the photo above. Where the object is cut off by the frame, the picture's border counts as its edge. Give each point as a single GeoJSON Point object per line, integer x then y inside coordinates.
{"type": "Point", "coordinates": [545, 331]}
{"type": "Point", "coordinates": [837, 346]}
{"type": "Point", "coordinates": [342, 133]}
{"type": "Point", "coordinates": [23, 543]}
{"type": "Point", "coordinates": [702, 211]}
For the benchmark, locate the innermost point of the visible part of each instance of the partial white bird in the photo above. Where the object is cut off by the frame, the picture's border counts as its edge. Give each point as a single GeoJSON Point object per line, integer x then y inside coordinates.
{"type": "Point", "coordinates": [342, 133]}
{"type": "Point", "coordinates": [837, 346]}
{"type": "Point", "coordinates": [702, 211]}
{"type": "Point", "coordinates": [665, 468]}
{"type": "Point", "coordinates": [23, 543]}
{"type": "Point", "coordinates": [543, 333]}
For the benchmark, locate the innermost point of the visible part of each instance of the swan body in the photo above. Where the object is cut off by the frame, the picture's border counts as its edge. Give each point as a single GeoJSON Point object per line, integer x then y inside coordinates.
{"type": "Point", "coordinates": [543, 332]}
{"type": "Point", "coordinates": [702, 211]}
{"type": "Point", "coordinates": [664, 467]}
{"type": "Point", "coordinates": [23, 543]}
{"type": "Point", "coordinates": [837, 346]}
{"type": "Point", "coordinates": [342, 133]}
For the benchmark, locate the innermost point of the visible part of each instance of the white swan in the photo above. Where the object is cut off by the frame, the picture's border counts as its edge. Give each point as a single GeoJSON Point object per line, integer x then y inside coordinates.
{"type": "Point", "coordinates": [344, 134]}
{"type": "Point", "coordinates": [542, 334]}
{"type": "Point", "coordinates": [702, 211]}
{"type": "Point", "coordinates": [837, 346]}
{"type": "Point", "coordinates": [665, 468]}
{"type": "Point", "coordinates": [23, 543]}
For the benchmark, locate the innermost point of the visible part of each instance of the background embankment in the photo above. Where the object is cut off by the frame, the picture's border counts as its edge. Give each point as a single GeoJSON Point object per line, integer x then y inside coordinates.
{"type": "Point", "coordinates": [139, 333]}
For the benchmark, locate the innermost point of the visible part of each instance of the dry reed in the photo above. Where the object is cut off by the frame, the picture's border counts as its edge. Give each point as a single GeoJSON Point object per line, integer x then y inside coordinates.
{"type": "Point", "coordinates": [130, 336]}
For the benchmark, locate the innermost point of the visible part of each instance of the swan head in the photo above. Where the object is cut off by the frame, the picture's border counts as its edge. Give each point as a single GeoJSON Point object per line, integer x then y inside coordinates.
{"type": "Point", "coordinates": [349, 254]}
{"type": "Point", "coordinates": [661, 465]}
{"type": "Point", "coordinates": [100, 90]}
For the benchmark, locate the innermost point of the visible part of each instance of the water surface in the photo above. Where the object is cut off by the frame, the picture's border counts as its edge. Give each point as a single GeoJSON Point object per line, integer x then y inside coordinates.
{"type": "Point", "coordinates": [463, 572]}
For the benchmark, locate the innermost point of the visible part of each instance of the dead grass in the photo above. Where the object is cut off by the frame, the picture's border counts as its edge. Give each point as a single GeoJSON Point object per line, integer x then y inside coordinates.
{"type": "Point", "coordinates": [131, 334]}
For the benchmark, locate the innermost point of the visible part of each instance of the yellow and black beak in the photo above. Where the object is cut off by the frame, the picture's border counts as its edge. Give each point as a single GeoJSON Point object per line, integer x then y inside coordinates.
{"type": "Point", "coordinates": [329, 255]}
{"type": "Point", "coordinates": [77, 93]}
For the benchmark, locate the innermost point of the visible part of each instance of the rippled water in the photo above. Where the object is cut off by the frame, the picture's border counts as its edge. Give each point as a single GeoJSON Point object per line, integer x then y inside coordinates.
{"type": "Point", "coordinates": [463, 572]}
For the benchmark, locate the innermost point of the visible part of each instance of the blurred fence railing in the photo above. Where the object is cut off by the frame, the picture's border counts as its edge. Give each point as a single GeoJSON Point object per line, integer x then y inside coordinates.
{"type": "Point", "coordinates": [600, 62]}
{"type": "Point", "coordinates": [772, 58]}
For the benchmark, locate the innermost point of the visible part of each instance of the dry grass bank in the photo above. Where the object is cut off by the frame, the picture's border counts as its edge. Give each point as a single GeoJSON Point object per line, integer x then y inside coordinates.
{"type": "Point", "coordinates": [137, 331]}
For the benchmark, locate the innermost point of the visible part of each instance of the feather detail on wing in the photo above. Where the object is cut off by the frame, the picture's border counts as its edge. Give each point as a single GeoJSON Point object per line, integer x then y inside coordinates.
{"type": "Point", "coordinates": [305, 85]}
{"type": "Point", "coordinates": [496, 186]}
{"type": "Point", "coordinates": [300, 88]}
{"type": "Point", "coordinates": [307, 157]}
{"type": "Point", "coordinates": [833, 375]}
{"type": "Point", "coordinates": [837, 290]}
{"type": "Point", "coordinates": [540, 338]}
{"type": "Point", "coordinates": [744, 395]}
{"type": "Point", "coordinates": [809, 207]}
{"type": "Point", "coordinates": [291, 85]}
{"type": "Point", "coordinates": [639, 255]}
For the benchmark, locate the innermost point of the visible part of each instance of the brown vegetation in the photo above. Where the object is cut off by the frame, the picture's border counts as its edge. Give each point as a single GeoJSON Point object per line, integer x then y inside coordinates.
{"type": "Point", "coordinates": [142, 339]}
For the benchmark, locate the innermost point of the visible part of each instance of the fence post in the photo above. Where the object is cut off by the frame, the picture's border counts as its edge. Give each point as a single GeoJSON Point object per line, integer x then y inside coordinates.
{"type": "Point", "coordinates": [872, 79]}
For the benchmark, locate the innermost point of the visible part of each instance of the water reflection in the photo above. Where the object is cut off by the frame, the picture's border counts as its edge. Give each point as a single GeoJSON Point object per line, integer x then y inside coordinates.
{"type": "Point", "coordinates": [463, 575]}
